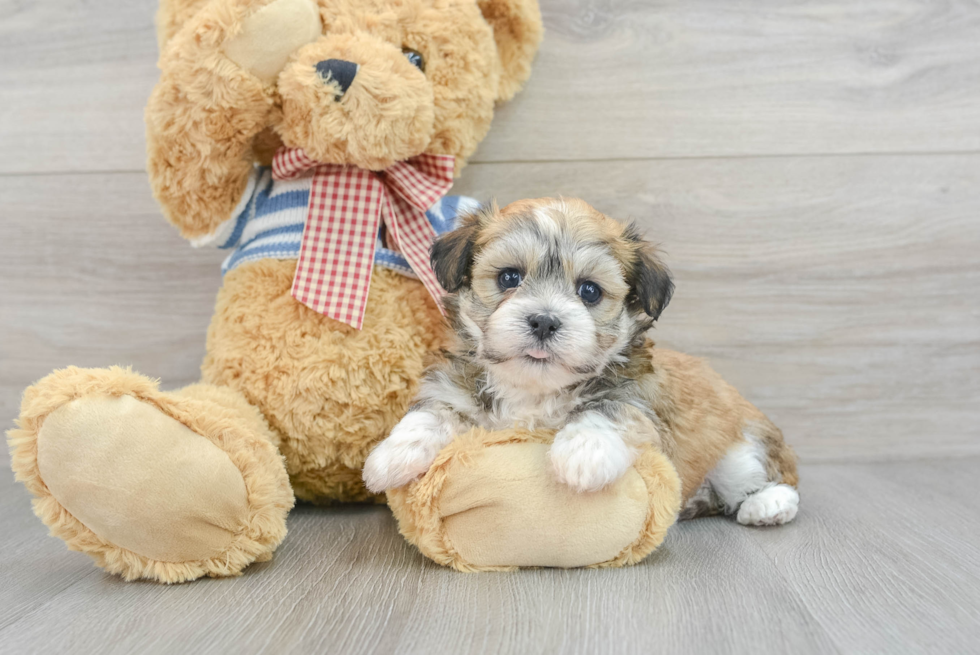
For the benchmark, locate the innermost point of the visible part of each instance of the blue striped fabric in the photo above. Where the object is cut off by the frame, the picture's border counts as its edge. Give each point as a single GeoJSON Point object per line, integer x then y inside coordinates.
{"type": "Point", "coordinates": [270, 218]}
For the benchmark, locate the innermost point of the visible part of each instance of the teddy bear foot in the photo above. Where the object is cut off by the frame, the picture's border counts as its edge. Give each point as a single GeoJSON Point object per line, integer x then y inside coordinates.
{"type": "Point", "coordinates": [162, 486]}
{"type": "Point", "coordinates": [491, 501]}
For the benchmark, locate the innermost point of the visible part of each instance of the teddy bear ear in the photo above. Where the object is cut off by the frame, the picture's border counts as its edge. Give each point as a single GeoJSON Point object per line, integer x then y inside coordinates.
{"type": "Point", "coordinates": [517, 30]}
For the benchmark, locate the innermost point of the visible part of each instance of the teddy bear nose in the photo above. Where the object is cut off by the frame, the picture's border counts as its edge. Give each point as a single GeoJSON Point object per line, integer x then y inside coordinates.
{"type": "Point", "coordinates": [337, 70]}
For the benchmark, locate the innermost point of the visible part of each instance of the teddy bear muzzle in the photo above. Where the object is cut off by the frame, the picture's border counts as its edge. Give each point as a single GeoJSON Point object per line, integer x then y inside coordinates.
{"type": "Point", "coordinates": [356, 99]}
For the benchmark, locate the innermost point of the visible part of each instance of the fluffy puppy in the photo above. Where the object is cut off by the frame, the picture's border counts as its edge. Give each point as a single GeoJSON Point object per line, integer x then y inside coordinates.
{"type": "Point", "coordinates": [551, 302]}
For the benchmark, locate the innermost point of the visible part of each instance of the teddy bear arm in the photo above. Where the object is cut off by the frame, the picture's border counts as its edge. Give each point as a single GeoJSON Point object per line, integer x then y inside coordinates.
{"type": "Point", "coordinates": [197, 187]}
{"type": "Point", "coordinates": [202, 119]}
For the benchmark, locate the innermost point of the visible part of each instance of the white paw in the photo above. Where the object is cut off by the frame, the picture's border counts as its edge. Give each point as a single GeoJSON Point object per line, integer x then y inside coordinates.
{"type": "Point", "coordinates": [589, 454]}
{"type": "Point", "coordinates": [773, 506]}
{"type": "Point", "coordinates": [406, 454]}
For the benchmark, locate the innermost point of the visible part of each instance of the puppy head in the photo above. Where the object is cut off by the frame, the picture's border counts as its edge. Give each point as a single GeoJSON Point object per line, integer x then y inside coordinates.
{"type": "Point", "coordinates": [547, 292]}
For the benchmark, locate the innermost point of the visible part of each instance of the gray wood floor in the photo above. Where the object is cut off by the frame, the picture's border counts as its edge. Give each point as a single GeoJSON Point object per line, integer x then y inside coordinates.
{"type": "Point", "coordinates": [882, 559]}
{"type": "Point", "coordinates": [812, 170]}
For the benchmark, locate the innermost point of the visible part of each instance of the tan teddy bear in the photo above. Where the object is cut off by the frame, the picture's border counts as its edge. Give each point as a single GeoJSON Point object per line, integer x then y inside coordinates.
{"type": "Point", "coordinates": [378, 103]}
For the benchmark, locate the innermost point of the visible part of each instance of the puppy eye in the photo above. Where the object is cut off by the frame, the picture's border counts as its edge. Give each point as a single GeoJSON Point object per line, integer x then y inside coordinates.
{"type": "Point", "coordinates": [509, 278]}
{"type": "Point", "coordinates": [590, 292]}
{"type": "Point", "coordinates": [415, 58]}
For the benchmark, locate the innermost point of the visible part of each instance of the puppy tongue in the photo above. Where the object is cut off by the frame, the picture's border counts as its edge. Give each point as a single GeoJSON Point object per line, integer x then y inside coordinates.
{"type": "Point", "coordinates": [537, 353]}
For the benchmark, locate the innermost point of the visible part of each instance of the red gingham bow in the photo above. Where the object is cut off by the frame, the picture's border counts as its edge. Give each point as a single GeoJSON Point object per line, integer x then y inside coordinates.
{"type": "Point", "coordinates": [336, 256]}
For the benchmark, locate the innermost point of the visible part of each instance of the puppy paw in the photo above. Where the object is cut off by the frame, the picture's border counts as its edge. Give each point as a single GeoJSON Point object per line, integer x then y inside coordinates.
{"type": "Point", "coordinates": [406, 454]}
{"type": "Point", "coordinates": [773, 506]}
{"type": "Point", "coordinates": [588, 455]}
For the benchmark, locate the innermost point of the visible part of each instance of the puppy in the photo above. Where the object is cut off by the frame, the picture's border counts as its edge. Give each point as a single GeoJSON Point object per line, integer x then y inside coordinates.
{"type": "Point", "coordinates": [551, 302]}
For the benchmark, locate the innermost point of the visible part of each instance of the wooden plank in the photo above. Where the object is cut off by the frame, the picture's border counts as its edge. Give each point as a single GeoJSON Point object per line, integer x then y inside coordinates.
{"type": "Point", "coordinates": [327, 549]}
{"type": "Point", "coordinates": [871, 565]}
{"type": "Point", "coordinates": [344, 581]}
{"type": "Point", "coordinates": [74, 99]}
{"type": "Point", "coordinates": [698, 594]}
{"type": "Point", "coordinates": [35, 567]}
{"type": "Point", "coordinates": [613, 80]}
{"type": "Point", "coordinates": [94, 276]}
{"type": "Point", "coordinates": [885, 563]}
{"type": "Point", "coordinates": [839, 294]}
{"type": "Point", "coordinates": [721, 78]}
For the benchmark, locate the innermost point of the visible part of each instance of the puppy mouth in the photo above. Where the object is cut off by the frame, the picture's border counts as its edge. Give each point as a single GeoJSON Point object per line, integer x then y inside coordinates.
{"type": "Point", "coordinates": [532, 355]}
{"type": "Point", "coordinates": [537, 354]}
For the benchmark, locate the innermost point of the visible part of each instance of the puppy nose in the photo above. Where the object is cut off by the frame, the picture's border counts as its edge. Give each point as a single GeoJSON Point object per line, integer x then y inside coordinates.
{"type": "Point", "coordinates": [544, 326]}
{"type": "Point", "coordinates": [340, 71]}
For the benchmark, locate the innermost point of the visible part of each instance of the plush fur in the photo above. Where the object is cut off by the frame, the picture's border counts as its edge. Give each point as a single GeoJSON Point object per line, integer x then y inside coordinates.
{"type": "Point", "coordinates": [419, 507]}
{"type": "Point", "coordinates": [218, 414]}
{"type": "Point", "coordinates": [287, 390]}
{"type": "Point", "coordinates": [328, 391]}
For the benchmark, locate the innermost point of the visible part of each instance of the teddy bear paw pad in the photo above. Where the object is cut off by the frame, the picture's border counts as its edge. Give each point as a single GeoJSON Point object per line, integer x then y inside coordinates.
{"type": "Point", "coordinates": [140, 479]}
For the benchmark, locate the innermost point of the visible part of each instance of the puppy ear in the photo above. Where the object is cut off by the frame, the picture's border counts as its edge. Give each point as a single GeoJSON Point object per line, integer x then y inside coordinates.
{"type": "Point", "coordinates": [650, 282]}
{"type": "Point", "coordinates": [517, 30]}
{"type": "Point", "coordinates": [451, 256]}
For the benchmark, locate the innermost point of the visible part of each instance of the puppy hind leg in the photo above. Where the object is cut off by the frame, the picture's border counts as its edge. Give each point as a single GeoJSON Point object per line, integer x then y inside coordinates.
{"type": "Point", "coordinates": [747, 486]}
{"type": "Point", "coordinates": [704, 502]}
{"type": "Point", "coordinates": [775, 505]}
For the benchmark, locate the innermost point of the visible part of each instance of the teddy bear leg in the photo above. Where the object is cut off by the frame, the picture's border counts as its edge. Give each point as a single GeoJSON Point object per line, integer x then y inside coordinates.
{"type": "Point", "coordinates": [492, 502]}
{"type": "Point", "coordinates": [162, 486]}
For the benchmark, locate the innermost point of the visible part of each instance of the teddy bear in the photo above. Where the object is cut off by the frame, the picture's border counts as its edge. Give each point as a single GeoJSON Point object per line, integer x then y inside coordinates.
{"type": "Point", "coordinates": [328, 312]}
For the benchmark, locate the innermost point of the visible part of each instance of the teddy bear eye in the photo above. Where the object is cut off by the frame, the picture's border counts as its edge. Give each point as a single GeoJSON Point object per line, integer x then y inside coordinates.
{"type": "Point", "coordinates": [415, 57]}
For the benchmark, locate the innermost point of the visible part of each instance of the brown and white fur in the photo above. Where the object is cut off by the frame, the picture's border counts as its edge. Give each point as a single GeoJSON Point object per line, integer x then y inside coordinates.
{"type": "Point", "coordinates": [538, 347]}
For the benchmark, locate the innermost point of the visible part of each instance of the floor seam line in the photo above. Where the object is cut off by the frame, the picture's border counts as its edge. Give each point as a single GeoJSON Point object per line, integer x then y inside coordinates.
{"type": "Point", "coordinates": [586, 160]}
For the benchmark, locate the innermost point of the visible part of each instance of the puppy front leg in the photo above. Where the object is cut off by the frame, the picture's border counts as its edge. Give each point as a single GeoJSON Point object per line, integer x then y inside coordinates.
{"type": "Point", "coordinates": [597, 447]}
{"type": "Point", "coordinates": [408, 452]}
